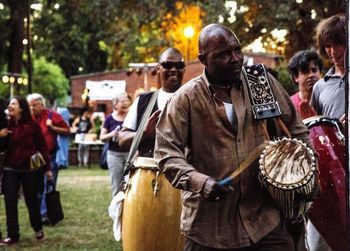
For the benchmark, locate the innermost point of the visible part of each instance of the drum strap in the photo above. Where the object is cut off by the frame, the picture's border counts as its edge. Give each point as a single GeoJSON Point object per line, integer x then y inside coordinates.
{"type": "Point", "coordinates": [264, 104]}
{"type": "Point", "coordinates": [137, 139]}
{"type": "Point", "coordinates": [252, 156]}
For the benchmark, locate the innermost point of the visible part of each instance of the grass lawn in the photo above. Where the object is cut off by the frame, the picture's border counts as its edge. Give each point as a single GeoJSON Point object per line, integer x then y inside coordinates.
{"type": "Point", "coordinates": [85, 197]}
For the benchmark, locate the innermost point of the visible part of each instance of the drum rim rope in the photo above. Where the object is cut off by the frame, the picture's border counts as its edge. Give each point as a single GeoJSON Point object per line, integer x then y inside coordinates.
{"type": "Point", "coordinates": [295, 184]}
{"type": "Point", "coordinates": [284, 195]}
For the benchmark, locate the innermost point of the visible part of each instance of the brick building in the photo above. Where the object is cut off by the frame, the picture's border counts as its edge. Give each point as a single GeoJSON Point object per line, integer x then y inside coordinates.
{"type": "Point", "coordinates": [139, 80]}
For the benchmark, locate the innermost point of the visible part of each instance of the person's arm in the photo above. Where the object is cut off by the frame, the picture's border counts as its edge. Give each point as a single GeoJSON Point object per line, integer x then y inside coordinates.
{"type": "Point", "coordinates": [105, 135]}
{"type": "Point", "coordinates": [342, 120]}
{"type": "Point", "coordinates": [40, 144]}
{"type": "Point", "coordinates": [172, 138]}
{"type": "Point", "coordinates": [127, 135]}
{"type": "Point", "coordinates": [58, 130]}
{"type": "Point", "coordinates": [58, 125]}
{"type": "Point", "coordinates": [128, 131]}
{"type": "Point", "coordinates": [4, 132]}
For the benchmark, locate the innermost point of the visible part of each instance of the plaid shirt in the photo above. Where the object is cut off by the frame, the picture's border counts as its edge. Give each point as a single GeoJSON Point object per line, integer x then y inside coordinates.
{"type": "Point", "coordinates": [195, 141]}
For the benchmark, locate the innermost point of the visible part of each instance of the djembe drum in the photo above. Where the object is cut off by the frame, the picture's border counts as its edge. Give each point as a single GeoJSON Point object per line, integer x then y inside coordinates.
{"type": "Point", "coordinates": [328, 213]}
{"type": "Point", "coordinates": [151, 210]}
{"type": "Point", "coordinates": [287, 170]}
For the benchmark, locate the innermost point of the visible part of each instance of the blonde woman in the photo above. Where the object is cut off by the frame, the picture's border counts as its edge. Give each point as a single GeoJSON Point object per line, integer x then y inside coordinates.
{"type": "Point", "coordinates": [109, 133]}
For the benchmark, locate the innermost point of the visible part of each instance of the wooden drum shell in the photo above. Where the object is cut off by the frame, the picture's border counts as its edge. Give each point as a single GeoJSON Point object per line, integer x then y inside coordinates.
{"type": "Point", "coordinates": [151, 221]}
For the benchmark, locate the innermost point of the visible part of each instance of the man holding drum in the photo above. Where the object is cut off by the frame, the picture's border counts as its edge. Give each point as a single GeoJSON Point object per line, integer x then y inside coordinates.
{"type": "Point", "coordinates": [204, 133]}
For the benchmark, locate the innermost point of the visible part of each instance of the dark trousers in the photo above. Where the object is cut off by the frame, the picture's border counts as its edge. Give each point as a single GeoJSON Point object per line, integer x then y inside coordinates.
{"type": "Point", "coordinates": [31, 184]}
{"type": "Point", "coordinates": [297, 231]}
{"type": "Point", "coordinates": [277, 240]}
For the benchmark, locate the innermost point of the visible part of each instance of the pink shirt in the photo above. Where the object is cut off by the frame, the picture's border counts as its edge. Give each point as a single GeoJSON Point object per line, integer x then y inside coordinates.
{"type": "Point", "coordinates": [302, 107]}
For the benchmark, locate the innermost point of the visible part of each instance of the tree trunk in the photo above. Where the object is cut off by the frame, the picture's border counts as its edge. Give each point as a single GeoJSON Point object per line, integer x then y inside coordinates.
{"type": "Point", "coordinates": [18, 13]}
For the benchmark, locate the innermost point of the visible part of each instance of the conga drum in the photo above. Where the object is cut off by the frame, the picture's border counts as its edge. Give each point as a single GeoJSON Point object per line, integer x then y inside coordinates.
{"type": "Point", "coordinates": [151, 210]}
{"type": "Point", "coordinates": [328, 212]}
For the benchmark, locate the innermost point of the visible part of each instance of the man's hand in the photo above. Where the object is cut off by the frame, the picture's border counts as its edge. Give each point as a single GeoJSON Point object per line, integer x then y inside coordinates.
{"type": "Point", "coordinates": [342, 120]}
{"type": "Point", "coordinates": [4, 132]}
{"type": "Point", "coordinates": [150, 129]}
{"type": "Point", "coordinates": [213, 191]}
{"type": "Point", "coordinates": [49, 123]}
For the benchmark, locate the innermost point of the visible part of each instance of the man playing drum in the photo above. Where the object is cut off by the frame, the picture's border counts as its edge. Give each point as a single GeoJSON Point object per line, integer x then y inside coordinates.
{"type": "Point", "coordinates": [205, 131]}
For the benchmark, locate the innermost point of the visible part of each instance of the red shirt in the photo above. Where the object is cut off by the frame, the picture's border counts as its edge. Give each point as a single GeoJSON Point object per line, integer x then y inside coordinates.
{"type": "Point", "coordinates": [24, 141]}
{"type": "Point", "coordinates": [49, 135]}
{"type": "Point", "coordinates": [302, 106]}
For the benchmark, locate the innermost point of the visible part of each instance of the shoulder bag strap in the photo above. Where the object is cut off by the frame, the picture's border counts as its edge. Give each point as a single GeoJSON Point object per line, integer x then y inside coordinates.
{"type": "Point", "coordinates": [137, 139]}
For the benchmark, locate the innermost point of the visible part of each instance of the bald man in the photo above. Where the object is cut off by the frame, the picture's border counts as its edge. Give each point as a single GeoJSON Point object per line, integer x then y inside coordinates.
{"type": "Point", "coordinates": [170, 69]}
{"type": "Point", "coordinates": [204, 132]}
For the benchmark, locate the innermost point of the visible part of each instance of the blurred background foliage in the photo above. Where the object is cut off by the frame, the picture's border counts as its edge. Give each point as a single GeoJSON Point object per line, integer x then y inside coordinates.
{"type": "Point", "coordinates": [82, 36]}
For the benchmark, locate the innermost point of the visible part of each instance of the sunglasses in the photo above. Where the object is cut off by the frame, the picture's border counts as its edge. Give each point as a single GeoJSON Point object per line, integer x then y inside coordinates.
{"type": "Point", "coordinates": [169, 65]}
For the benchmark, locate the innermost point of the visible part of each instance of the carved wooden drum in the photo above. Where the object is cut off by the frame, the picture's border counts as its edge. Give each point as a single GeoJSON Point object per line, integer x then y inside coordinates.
{"type": "Point", "coordinates": [287, 170]}
{"type": "Point", "coordinates": [151, 210]}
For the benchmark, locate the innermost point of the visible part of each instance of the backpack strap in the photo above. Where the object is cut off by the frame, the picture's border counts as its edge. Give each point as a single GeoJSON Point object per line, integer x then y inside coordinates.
{"type": "Point", "coordinates": [50, 115]}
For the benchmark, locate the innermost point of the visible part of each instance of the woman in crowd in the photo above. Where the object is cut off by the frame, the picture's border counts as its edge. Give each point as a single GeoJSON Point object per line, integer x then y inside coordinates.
{"type": "Point", "coordinates": [109, 133]}
{"type": "Point", "coordinates": [3, 124]}
{"type": "Point", "coordinates": [3, 140]}
{"type": "Point", "coordinates": [25, 139]}
{"type": "Point", "coordinates": [82, 125]}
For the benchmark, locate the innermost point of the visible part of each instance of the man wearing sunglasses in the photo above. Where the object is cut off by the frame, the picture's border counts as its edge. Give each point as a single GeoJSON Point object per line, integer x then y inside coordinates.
{"type": "Point", "coordinates": [170, 71]}
{"type": "Point", "coordinates": [204, 132]}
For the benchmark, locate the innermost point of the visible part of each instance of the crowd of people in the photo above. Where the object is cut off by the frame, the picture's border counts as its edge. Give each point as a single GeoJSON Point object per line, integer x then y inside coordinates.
{"type": "Point", "coordinates": [198, 133]}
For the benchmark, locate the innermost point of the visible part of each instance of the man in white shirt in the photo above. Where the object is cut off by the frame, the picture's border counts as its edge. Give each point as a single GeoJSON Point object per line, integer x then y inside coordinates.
{"type": "Point", "coordinates": [170, 71]}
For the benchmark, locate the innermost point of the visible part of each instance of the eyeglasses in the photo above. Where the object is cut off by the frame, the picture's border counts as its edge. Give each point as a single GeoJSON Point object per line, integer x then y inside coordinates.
{"type": "Point", "coordinates": [169, 65]}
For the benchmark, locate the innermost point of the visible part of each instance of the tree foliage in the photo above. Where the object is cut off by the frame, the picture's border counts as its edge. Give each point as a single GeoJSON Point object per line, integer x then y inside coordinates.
{"type": "Point", "coordinates": [49, 80]}
{"type": "Point", "coordinates": [299, 19]}
{"type": "Point", "coordinates": [84, 36]}
{"type": "Point", "coordinates": [68, 33]}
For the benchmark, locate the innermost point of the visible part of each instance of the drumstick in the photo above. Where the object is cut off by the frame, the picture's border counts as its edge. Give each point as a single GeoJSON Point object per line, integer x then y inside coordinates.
{"type": "Point", "coordinates": [244, 164]}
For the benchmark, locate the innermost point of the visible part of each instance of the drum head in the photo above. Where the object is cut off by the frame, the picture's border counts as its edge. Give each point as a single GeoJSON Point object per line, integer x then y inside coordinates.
{"type": "Point", "coordinates": [288, 163]}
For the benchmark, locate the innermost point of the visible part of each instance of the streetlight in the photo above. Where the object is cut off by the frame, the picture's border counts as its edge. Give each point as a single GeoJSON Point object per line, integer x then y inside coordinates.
{"type": "Point", "coordinates": [188, 33]}
{"type": "Point", "coordinates": [12, 79]}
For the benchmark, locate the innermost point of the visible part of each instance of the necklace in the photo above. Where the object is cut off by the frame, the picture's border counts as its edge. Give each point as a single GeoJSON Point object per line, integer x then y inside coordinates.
{"type": "Point", "coordinates": [222, 86]}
